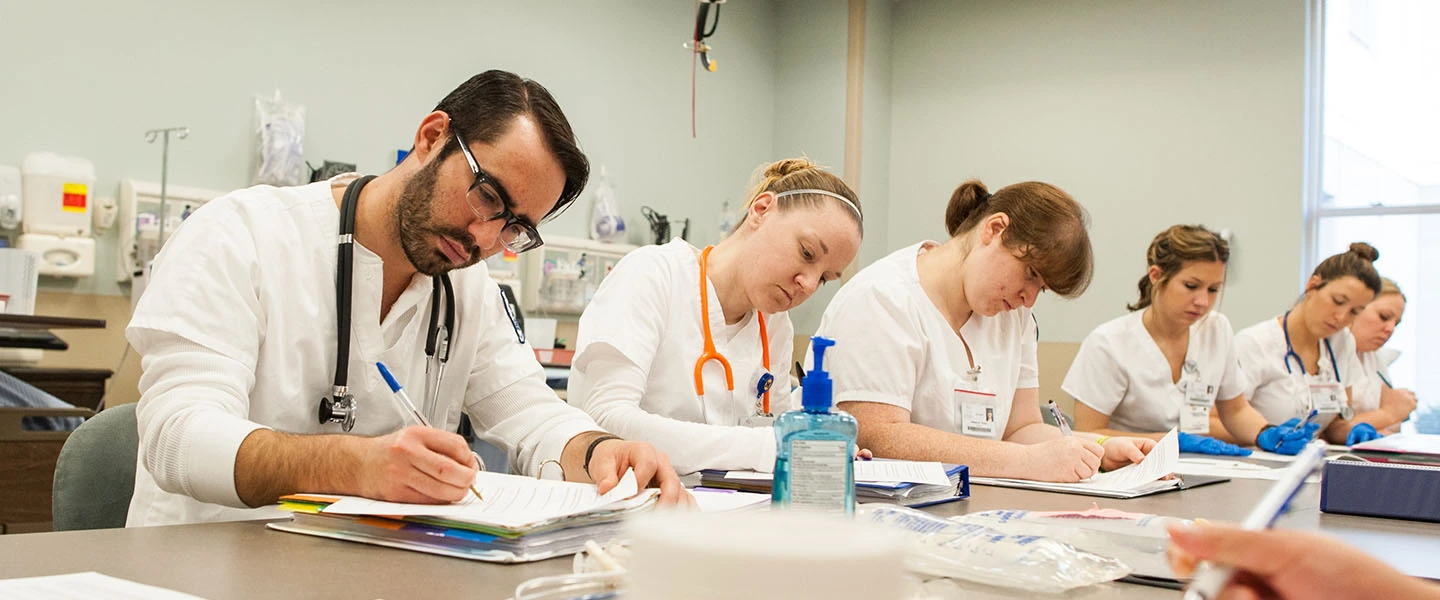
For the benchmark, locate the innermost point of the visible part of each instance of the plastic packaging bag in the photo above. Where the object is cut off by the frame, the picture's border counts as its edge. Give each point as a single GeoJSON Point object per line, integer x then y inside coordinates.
{"type": "Point", "coordinates": [606, 224]}
{"type": "Point", "coordinates": [1137, 539]}
{"type": "Point", "coordinates": [943, 548]}
{"type": "Point", "coordinates": [280, 142]}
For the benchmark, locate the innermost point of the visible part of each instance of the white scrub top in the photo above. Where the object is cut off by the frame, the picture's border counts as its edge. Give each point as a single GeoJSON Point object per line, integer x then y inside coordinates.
{"type": "Point", "coordinates": [1281, 396]}
{"type": "Point", "coordinates": [1365, 392]}
{"type": "Point", "coordinates": [1121, 372]}
{"type": "Point", "coordinates": [893, 346]}
{"type": "Point", "coordinates": [236, 331]}
{"type": "Point", "coordinates": [634, 367]}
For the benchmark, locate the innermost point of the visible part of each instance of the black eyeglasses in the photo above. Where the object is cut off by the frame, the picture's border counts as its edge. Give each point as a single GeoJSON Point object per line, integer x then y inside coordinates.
{"type": "Point", "coordinates": [488, 200]}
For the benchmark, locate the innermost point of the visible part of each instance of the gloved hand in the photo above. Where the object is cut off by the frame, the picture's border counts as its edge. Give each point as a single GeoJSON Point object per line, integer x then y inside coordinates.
{"type": "Point", "coordinates": [1361, 432]}
{"type": "Point", "coordinates": [1287, 438]}
{"type": "Point", "coordinates": [1201, 444]}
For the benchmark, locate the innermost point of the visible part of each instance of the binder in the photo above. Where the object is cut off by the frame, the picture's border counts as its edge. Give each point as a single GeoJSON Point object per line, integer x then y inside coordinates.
{"type": "Point", "coordinates": [913, 495]}
{"type": "Point", "coordinates": [1381, 489]}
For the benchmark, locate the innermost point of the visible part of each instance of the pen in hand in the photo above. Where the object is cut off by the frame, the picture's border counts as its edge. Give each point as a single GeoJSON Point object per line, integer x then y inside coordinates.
{"type": "Point", "coordinates": [407, 405]}
{"type": "Point", "coordinates": [1059, 418]}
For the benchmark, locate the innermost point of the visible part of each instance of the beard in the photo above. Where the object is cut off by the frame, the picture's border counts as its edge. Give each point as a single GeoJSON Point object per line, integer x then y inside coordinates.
{"type": "Point", "coordinates": [419, 230]}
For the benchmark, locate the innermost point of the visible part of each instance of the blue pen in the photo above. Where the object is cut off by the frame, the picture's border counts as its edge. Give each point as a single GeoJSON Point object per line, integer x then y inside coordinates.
{"type": "Point", "coordinates": [400, 395]}
{"type": "Point", "coordinates": [406, 404]}
{"type": "Point", "coordinates": [1308, 419]}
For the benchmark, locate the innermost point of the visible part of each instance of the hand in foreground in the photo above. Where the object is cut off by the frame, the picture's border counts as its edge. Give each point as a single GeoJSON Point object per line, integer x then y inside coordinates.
{"type": "Point", "coordinates": [419, 465]}
{"type": "Point", "coordinates": [1201, 444]}
{"type": "Point", "coordinates": [613, 457]}
{"type": "Point", "coordinates": [1361, 433]}
{"type": "Point", "coordinates": [1121, 451]}
{"type": "Point", "coordinates": [1064, 460]}
{"type": "Point", "coordinates": [1287, 438]}
{"type": "Point", "coordinates": [1280, 563]}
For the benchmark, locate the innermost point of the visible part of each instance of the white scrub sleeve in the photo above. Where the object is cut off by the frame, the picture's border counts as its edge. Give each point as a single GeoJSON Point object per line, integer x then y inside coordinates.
{"type": "Point", "coordinates": [197, 329]}
{"type": "Point", "coordinates": [1233, 381]}
{"type": "Point", "coordinates": [1096, 377]}
{"type": "Point", "coordinates": [616, 386]}
{"type": "Point", "coordinates": [879, 347]}
{"type": "Point", "coordinates": [1029, 353]}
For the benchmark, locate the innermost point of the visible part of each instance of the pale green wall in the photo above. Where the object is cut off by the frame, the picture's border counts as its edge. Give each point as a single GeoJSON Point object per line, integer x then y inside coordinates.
{"type": "Point", "coordinates": [87, 78]}
{"type": "Point", "coordinates": [1150, 112]}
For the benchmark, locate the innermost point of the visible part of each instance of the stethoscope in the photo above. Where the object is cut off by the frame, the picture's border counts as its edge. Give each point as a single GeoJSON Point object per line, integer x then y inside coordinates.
{"type": "Point", "coordinates": [709, 353]}
{"type": "Point", "coordinates": [1291, 353]}
{"type": "Point", "coordinates": [340, 406]}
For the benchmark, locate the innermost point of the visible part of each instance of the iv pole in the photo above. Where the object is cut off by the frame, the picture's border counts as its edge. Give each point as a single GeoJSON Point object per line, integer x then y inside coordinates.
{"type": "Point", "coordinates": [150, 136]}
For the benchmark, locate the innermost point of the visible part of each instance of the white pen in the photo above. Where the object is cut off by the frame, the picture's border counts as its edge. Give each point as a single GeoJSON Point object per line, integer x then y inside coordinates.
{"type": "Point", "coordinates": [1210, 579]}
{"type": "Point", "coordinates": [1059, 418]}
{"type": "Point", "coordinates": [406, 404]}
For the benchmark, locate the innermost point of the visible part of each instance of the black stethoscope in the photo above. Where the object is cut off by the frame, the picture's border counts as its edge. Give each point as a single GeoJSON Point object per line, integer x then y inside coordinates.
{"type": "Point", "coordinates": [1291, 353]}
{"type": "Point", "coordinates": [340, 406]}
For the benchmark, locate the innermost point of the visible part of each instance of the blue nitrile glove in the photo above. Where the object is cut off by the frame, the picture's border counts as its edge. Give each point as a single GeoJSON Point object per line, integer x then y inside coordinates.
{"type": "Point", "coordinates": [1286, 438]}
{"type": "Point", "coordinates": [1361, 432]}
{"type": "Point", "coordinates": [1200, 444]}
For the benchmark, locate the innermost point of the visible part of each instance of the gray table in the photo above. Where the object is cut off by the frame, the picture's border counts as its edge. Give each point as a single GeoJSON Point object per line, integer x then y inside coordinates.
{"type": "Point", "coordinates": [246, 560]}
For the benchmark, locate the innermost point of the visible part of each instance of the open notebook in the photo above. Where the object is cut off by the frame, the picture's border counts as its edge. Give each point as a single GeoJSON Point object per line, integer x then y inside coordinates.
{"type": "Point", "coordinates": [521, 519]}
{"type": "Point", "coordinates": [1131, 481]}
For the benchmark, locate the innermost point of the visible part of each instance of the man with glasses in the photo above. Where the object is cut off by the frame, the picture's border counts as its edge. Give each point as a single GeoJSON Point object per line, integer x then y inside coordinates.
{"type": "Point", "coordinates": [237, 328]}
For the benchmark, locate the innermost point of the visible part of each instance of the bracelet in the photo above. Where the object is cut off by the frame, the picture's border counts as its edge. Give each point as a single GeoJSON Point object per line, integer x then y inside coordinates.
{"type": "Point", "coordinates": [1102, 439]}
{"type": "Point", "coordinates": [589, 452]}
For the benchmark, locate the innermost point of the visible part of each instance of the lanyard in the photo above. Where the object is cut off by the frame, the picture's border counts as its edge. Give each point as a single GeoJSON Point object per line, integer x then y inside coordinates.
{"type": "Point", "coordinates": [1290, 350]}
{"type": "Point", "coordinates": [709, 353]}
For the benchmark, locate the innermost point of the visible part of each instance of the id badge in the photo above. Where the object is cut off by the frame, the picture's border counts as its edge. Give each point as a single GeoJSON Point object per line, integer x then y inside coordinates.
{"type": "Point", "coordinates": [1326, 397]}
{"type": "Point", "coordinates": [760, 382]}
{"type": "Point", "coordinates": [978, 410]}
{"type": "Point", "coordinates": [1195, 413]}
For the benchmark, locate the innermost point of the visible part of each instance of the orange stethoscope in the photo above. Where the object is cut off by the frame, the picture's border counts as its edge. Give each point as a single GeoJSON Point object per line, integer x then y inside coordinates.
{"type": "Point", "coordinates": [710, 353]}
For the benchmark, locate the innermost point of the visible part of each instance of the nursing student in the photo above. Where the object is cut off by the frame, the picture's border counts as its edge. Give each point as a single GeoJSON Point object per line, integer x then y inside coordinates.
{"type": "Point", "coordinates": [1168, 362]}
{"type": "Point", "coordinates": [935, 344]}
{"type": "Point", "coordinates": [688, 348]}
{"type": "Point", "coordinates": [1304, 360]}
{"type": "Point", "coordinates": [1372, 390]}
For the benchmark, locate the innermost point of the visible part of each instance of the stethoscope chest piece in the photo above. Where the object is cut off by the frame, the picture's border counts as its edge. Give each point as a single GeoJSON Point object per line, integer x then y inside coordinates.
{"type": "Point", "coordinates": [338, 409]}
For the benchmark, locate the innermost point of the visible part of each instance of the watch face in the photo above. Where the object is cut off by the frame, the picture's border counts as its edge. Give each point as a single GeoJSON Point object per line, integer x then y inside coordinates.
{"type": "Point", "coordinates": [1347, 413]}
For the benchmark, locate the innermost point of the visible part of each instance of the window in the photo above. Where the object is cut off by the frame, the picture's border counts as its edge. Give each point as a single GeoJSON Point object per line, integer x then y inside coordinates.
{"type": "Point", "coordinates": [1374, 162]}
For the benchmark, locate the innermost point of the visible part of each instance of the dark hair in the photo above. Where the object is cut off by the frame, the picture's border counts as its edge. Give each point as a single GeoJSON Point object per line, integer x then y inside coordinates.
{"type": "Point", "coordinates": [1172, 249]}
{"type": "Point", "coordinates": [800, 174]}
{"type": "Point", "coordinates": [1047, 229]}
{"type": "Point", "coordinates": [1358, 262]}
{"type": "Point", "coordinates": [485, 107]}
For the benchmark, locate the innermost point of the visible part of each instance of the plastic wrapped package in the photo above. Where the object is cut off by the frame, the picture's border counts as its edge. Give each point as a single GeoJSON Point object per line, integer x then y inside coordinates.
{"type": "Point", "coordinates": [280, 142]}
{"type": "Point", "coordinates": [942, 548]}
{"type": "Point", "coordinates": [1137, 539]}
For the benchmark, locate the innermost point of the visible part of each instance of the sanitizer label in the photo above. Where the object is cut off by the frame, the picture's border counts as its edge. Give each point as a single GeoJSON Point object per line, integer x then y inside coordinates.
{"type": "Point", "coordinates": [817, 474]}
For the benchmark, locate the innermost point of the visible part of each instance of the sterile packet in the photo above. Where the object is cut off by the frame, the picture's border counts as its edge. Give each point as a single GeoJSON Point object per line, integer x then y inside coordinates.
{"type": "Point", "coordinates": [944, 548]}
{"type": "Point", "coordinates": [1137, 539]}
{"type": "Point", "coordinates": [280, 142]}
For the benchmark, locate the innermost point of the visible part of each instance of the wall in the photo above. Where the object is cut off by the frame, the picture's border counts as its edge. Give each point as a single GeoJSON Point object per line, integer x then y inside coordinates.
{"type": "Point", "coordinates": [1149, 112]}
{"type": "Point", "coordinates": [810, 103]}
{"type": "Point", "coordinates": [88, 78]}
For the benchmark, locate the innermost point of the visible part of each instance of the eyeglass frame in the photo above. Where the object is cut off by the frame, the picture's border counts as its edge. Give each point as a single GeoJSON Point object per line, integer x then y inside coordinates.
{"type": "Point", "coordinates": [511, 219]}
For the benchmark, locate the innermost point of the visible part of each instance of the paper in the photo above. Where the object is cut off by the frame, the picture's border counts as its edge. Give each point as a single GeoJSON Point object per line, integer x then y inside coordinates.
{"type": "Point", "coordinates": [1259, 454]}
{"type": "Point", "coordinates": [1410, 443]}
{"type": "Point", "coordinates": [79, 586]}
{"type": "Point", "coordinates": [890, 472]}
{"type": "Point", "coordinates": [713, 500]}
{"type": "Point", "coordinates": [510, 501]}
{"type": "Point", "coordinates": [901, 471]}
{"type": "Point", "coordinates": [1131, 480]}
{"type": "Point", "coordinates": [1227, 468]}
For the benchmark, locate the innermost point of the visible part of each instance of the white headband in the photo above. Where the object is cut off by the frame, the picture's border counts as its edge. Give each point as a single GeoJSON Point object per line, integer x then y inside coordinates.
{"type": "Point", "coordinates": [848, 203]}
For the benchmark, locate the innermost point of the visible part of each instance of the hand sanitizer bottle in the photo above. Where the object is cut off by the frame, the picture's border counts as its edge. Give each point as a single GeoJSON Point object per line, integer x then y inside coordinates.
{"type": "Point", "coordinates": [816, 446]}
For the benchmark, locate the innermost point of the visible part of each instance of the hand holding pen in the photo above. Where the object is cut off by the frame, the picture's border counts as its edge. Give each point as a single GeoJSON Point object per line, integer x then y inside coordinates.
{"type": "Point", "coordinates": [406, 406]}
{"type": "Point", "coordinates": [1289, 437]}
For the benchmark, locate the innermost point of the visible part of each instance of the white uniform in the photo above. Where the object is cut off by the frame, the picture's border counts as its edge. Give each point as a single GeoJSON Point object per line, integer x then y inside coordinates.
{"type": "Point", "coordinates": [1280, 395]}
{"type": "Point", "coordinates": [237, 332]}
{"type": "Point", "coordinates": [1365, 391]}
{"type": "Point", "coordinates": [893, 346]}
{"type": "Point", "coordinates": [634, 367]}
{"type": "Point", "coordinates": [1121, 372]}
